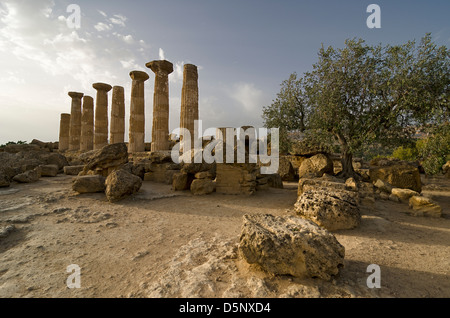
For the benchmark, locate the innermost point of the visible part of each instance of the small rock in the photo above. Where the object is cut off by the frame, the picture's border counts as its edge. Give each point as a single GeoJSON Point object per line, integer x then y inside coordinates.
{"type": "Point", "coordinates": [5, 231]}
{"type": "Point", "coordinates": [29, 176]}
{"type": "Point", "coordinates": [202, 186]}
{"type": "Point", "coordinates": [120, 184]}
{"type": "Point", "coordinates": [89, 184]}
{"type": "Point", "coordinates": [73, 170]}
{"type": "Point", "coordinates": [49, 170]}
{"type": "Point", "coordinates": [383, 186]}
{"type": "Point", "coordinates": [424, 206]}
{"type": "Point", "coordinates": [404, 194]}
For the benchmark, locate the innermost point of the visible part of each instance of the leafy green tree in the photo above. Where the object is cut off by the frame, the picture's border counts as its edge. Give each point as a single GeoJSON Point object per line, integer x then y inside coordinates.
{"type": "Point", "coordinates": [289, 111]}
{"type": "Point", "coordinates": [364, 94]}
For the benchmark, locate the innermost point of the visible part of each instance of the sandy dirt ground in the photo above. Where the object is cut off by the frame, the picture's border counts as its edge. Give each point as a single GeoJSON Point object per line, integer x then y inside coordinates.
{"type": "Point", "coordinates": [161, 243]}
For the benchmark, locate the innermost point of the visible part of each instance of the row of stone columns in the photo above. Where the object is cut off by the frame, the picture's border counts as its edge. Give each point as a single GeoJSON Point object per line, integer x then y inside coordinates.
{"type": "Point", "coordinates": [77, 128]}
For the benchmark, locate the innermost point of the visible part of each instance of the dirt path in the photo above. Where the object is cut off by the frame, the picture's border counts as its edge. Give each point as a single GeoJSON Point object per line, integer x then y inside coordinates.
{"type": "Point", "coordinates": [165, 244]}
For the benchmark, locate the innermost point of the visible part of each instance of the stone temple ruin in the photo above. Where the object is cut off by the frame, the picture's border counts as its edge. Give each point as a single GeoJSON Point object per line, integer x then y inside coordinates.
{"type": "Point", "coordinates": [84, 138]}
{"type": "Point", "coordinates": [299, 244]}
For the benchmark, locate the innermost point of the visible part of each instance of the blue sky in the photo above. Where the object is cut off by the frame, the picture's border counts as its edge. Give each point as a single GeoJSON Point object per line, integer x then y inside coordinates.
{"type": "Point", "coordinates": [244, 50]}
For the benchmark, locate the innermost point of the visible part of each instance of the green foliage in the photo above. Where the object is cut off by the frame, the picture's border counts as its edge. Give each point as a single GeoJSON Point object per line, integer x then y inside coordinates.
{"type": "Point", "coordinates": [405, 153]}
{"type": "Point", "coordinates": [13, 143]}
{"type": "Point", "coordinates": [288, 112]}
{"type": "Point", "coordinates": [434, 151]}
{"type": "Point", "coordinates": [367, 97]}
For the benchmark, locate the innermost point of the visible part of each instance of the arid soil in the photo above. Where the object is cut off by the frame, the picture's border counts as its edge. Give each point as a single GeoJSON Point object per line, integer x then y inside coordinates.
{"type": "Point", "coordinates": [161, 243]}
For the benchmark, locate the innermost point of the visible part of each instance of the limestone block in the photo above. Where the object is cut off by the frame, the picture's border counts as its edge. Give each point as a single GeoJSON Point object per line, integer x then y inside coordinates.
{"type": "Point", "coordinates": [289, 245]}
{"type": "Point", "coordinates": [422, 206]}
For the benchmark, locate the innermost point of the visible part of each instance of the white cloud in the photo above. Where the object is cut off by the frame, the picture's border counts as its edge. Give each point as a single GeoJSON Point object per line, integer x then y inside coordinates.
{"type": "Point", "coordinates": [103, 27]}
{"type": "Point", "coordinates": [118, 20]}
{"type": "Point", "coordinates": [161, 54]}
{"type": "Point", "coordinates": [102, 13]}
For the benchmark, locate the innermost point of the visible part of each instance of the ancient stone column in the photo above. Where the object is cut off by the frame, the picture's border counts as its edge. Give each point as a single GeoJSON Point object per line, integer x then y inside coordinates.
{"type": "Point", "coordinates": [117, 131]}
{"type": "Point", "coordinates": [64, 132]}
{"type": "Point", "coordinates": [189, 100]}
{"type": "Point", "coordinates": [160, 128]}
{"type": "Point", "coordinates": [137, 112]}
{"type": "Point", "coordinates": [87, 124]}
{"type": "Point", "coordinates": [101, 115]}
{"type": "Point", "coordinates": [75, 121]}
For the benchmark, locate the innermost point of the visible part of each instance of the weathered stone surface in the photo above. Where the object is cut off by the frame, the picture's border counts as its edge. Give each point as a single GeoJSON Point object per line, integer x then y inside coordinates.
{"type": "Point", "coordinates": [399, 176]}
{"type": "Point", "coordinates": [75, 121]}
{"type": "Point", "coordinates": [189, 101]}
{"type": "Point", "coordinates": [110, 156]}
{"type": "Point", "coordinates": [202, 186]}
{"type": "Point", "coordinates": [305, 184]}
{"type": "Point", "coordinates": [316, 166]}
{"type": "Point", "coordinates": [54, 159]}
{"type": "Point", "coordinates": [21, 148]}
{"type": "Point", "coordinates": [204, 175]}
{"type": "Point", "coordinates": [333, 210]}
{"type": "Point", "coordinates": [27, 177]}
{"type": "Point", "coordinates": [351, 184]}
{"type": "Point", "coordinates": [64, 132]}
{"type": "Point", "coordinates": [180, 182]}
{"type": "Point", "coordinates": [4, 180]}
{"type": "Point", "coordinates": [137, 112]}
{"type": "Point", "coordinates": [383, 186]}
{"type": "Point", "coordinates": [101, 115]}
{"type": "Point", "coordinates": [117, 131]}
{"type": "Point", "coordinates": [285, 169]}
{"type": "Point", "coordinates": [137, 169]}
{"type": "Point", "coordinates": [45, 145]}
{"type": "Point", "coordinates": [49, 170]}
{"type": "Point", "coordinates": [236, 178]}
{"type": "Point", "coordinates": [275, 181]}
{"type": "Point", "coordinates": [87, 124]}
{"type": "Point", "coordinates": [73, 170]}
{"type": "Point", "coordinates": [88, 184]}
{"type": "Point", "coordinates": [404, 194]}
{"type": "Point", "coordinates": [289, 245]}
{"type": "Point", "coordinates": [160, 127]}
{"type": "Point", "coordinates": [120, 184]}
{"type": "Point", "coordinates": [422, 206]}
{"type": "Point", "coordinates": [5, 231]}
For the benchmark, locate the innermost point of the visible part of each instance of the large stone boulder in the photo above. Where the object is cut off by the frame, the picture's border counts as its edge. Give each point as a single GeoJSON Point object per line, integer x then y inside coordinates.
{"type": "Point", "coordinates": [316, 166]}
{"type": "Point", "coordinates": [202, 186]}
{"type": "Point", "coordinates": [73, 170]}
{"type": "Point", "coordinates": [398, 174]}
{"type": "Point", "coordinates": [333, 210]}
{"type": "Point", "coordinates": [180, 181]}
{"type": "Point", "coordinates": [404, 194]}
{"type": "Point", "coordinates": [88, 184]}
{"type": "Point", "coordinates": [285, 169]}
{"type": "Point", "coordinates": [422, 206]}
{"type": "Point", "coordinates": [120, 184]}
{"type": "Point", "coordinates": [29, 176]}
{"type": "Point", "coordinates": [325, 181]}
{"type": "Point", "coordinates": [49, 170]}
{"type": "Point", "coordinates": [289, 245]}
{"type": "Point", "coordinates": [106, 159]}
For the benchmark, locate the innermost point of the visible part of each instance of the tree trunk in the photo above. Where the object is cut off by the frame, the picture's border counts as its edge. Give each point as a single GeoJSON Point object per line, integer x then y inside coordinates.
{"type": "Point", "coordinates": [347, 165]}
{"type": "Point", "coordinates": [346, 160]}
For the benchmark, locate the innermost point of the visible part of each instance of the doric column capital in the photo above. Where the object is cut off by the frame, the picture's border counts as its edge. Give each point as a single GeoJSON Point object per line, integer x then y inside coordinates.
{"type": "Point", "coordinates": [102, 87]}
{"type": "Point", "coordinates": [160, 66]}
{"type": "Point", "coordinates": [76, 95]}
{"type": "Point", "coordinates": [139, 76]}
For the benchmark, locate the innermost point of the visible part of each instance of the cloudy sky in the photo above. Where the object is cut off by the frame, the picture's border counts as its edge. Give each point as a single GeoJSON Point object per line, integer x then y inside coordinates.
{"type": "Point", "coordinates": [244, 49]}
